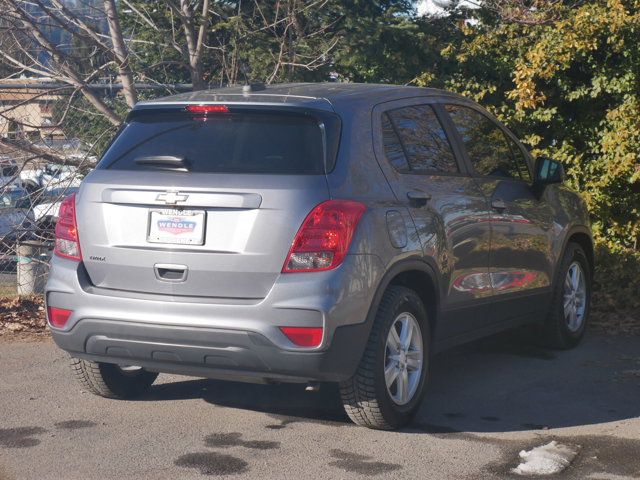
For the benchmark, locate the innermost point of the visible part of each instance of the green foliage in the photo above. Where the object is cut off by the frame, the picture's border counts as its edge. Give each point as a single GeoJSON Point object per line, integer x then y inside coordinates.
{"type": "Point", "coordinates": [571, 88]}
{"type": "Point", "coordinates": [617, 285]}
{"type": "Point", "coordinates": [268, 41]}
{"type": "Point", "coordinates": [361, 40]}
{"type": "Point", "coordinates": [380, 41]}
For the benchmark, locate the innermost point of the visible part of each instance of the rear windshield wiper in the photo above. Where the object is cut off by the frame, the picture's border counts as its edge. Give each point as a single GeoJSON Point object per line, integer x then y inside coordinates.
{"type": "Point", "coordinates": [164, 161]}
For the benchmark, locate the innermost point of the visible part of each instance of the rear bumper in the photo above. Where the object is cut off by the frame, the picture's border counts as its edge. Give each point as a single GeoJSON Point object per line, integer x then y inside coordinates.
{"type": "Point", "coordinates": [217, 338]}
{"type": "Point", "coordinates": [209, 352]}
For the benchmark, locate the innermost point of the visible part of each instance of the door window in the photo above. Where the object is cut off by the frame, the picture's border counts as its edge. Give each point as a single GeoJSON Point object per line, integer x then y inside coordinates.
{"type": "Point", "coordinates": [485, 143]}
{"type": "Point", "coordinates": [415, 142]}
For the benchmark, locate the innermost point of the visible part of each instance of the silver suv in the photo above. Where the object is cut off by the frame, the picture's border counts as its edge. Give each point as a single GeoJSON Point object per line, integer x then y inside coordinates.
{"type": "Point", "coordinates": [313, 233]}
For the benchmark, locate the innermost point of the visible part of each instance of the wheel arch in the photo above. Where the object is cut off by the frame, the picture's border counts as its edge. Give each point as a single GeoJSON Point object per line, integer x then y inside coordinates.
{"type": "Point", "coordinates": [417, 275]}
{"type": "Point", "coordinates": [582, 236]}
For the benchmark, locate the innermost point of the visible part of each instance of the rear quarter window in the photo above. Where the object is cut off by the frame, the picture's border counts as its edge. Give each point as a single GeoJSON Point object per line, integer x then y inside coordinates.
{"type": "Point", "coordinates": [415, 142]}
{"type": "Point", "coordinates": [221, 143]}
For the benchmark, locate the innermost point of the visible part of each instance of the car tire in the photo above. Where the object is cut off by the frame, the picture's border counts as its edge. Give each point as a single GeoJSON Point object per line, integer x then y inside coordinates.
{"type": "Point", "coordinates": [561, 330]}
{"type": "Point", "coordinates": [367, 399]}
{"type": "Point", "coordinates": [30, 187]}
{"type": "Point", "coordinates": [112, 381]}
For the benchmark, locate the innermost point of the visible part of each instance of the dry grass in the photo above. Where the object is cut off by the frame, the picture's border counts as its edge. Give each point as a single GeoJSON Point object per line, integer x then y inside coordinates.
{"type": "Point", "coordinates": [8, 290]}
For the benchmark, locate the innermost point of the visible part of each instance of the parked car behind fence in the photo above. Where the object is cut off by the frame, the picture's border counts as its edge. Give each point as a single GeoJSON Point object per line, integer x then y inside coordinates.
{"type": "Point", "coordinates": [16, 218]}
{"type": "Point", "coordinates": [50, 177]}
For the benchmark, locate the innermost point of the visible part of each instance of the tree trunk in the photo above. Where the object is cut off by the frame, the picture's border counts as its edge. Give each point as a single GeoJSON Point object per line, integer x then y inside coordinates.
{"type": "Point", "coordinates": [195, 43]}
{"type": "Point", "coordinates": [121, 53]}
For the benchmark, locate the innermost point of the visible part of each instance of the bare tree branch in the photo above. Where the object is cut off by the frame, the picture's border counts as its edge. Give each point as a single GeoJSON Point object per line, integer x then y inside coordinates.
{"type": "Point", "coordinates": [120, 51]}
{"type": "Point", "coordinates": [194, 40]}
{"type": "Point", "coordinates": [71, 74]}
{"type": "Point", "coordinates": [142, 16]}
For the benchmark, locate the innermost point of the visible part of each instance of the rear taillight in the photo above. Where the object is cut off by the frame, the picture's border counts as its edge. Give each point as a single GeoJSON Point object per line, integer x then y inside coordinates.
{"type": "Point", "coordinates": [303, 336]}
{"type": "Point", "coordinates": [324, 237]}
{"type": "Point", "coordinates": [58, 317]}
{"type": "Point", "coordinates": [67, 241]}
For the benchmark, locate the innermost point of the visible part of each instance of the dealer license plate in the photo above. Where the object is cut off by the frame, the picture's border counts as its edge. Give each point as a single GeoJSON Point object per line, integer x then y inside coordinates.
{"type": "Point", "coordinates": [182, 227]}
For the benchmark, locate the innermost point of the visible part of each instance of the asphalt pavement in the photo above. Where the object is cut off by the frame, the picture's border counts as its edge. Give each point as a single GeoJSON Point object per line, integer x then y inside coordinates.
{"type": "Point", "coordinates": [486, 402]}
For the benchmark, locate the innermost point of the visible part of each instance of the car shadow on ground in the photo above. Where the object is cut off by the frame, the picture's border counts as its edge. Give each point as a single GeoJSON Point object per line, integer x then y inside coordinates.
{"type": "Point", "coordinates": [495, 385]}
{"type": "Point", "coordinates": [285, 403]}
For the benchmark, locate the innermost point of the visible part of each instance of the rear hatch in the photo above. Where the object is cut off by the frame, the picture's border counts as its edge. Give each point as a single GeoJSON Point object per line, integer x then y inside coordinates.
{"type": "Point", "coordinates": [196, 204]}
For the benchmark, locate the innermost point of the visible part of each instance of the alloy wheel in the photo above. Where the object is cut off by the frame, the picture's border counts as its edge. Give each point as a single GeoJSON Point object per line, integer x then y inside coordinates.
{"type": "Point", "coordinates": [575, 297]}
{"type": "Point", "coordinates": [404, 358]}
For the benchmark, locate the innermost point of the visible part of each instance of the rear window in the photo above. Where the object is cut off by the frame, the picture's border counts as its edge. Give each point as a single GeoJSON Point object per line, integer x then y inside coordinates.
{"type": "Point", "coordinates": [220, 143]}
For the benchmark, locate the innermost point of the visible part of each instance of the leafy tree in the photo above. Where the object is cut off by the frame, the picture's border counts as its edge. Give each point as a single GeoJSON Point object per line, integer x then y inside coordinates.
{"type": "Point", "coordinates": [245, 41]}
{"type": "Point", "coordinates": [570, 85]}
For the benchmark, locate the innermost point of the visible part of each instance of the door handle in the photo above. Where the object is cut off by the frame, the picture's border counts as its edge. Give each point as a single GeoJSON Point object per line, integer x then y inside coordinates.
{"type": "Point", "coordinates": [417, 198]}
{"type": "Point", "coordinates": [498, 204]}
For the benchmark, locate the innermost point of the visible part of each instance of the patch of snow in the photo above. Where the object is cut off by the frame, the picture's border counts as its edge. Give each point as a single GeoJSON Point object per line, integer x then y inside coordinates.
{"type": "Point", "coordinates": [546, 459]}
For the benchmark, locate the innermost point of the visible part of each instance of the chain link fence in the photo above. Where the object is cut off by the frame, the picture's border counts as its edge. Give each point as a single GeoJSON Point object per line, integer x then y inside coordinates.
{"type": "Point", "coordinates": [50, 139]}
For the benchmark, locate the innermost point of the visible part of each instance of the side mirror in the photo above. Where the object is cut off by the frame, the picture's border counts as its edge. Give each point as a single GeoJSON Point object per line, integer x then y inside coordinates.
{"type": "Point", "coordinates": [548, 171]}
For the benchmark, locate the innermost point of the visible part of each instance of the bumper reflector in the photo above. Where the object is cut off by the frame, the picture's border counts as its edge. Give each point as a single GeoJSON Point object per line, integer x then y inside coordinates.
{"type": "Point", "coordinates": [58, 317]}
{"type": "Point", "coordinates": [304, 336]}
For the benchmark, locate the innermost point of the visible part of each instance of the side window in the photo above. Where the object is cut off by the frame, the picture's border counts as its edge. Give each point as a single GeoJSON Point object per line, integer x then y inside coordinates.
{"type": "Point", "coordinates": [422, 141]}
{"type": "Point", "coordinates": [521, 161]}
{"type": "Point", "coordinates": [485, 143]}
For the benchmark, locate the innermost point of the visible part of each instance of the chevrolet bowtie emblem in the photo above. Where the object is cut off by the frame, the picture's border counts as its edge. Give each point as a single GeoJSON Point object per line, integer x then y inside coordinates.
{"type": "Point", "coordinates": [171, 198]}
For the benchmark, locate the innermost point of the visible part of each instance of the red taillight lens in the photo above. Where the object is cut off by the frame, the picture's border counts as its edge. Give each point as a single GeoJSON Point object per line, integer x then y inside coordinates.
{"type": "Point", "coordinates": [303, 336]}
{"type": "Point", "coordinates": [205, 109]}
{"type": "Point", "coordinates": [67, 241]}
{"type": "Point", "coordinates": [58, 317]}
{"type": "Point", "coordinates": [324, 237]}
